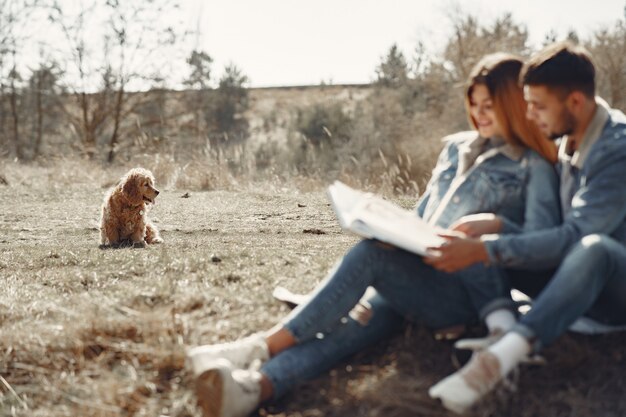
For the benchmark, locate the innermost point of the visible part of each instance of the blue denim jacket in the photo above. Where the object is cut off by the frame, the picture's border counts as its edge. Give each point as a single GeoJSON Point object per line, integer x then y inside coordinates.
{"type": "Point", "coordinates": [515, 183]}
{"type": "Point", "coordinates": [598, 206]}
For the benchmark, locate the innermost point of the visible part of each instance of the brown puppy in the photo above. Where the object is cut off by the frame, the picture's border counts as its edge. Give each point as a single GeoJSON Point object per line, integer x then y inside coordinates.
{"type": "Point", "coordinates": [124, 218]}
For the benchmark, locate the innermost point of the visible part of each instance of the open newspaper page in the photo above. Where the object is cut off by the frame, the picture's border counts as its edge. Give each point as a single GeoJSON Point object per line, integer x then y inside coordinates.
{"type": "Point", "coordinates": [373, 217]}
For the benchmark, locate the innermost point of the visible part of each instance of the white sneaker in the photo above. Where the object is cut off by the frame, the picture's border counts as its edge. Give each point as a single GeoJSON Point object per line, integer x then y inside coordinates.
{"type": "Point", "coordinates": [241, 353]}
{"type": "Point", "coordinates": [461, 390]}
{"type": "Point", "coordinates": [482, 343]}
{"type": "Point", "coordinates": [224, 391]}
{"type": "Point", "coordinates": [479, 343]}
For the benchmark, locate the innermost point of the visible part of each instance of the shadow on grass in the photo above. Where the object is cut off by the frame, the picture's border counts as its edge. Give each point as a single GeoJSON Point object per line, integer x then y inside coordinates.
{"type": "Point", "coordinates": [585, 376]}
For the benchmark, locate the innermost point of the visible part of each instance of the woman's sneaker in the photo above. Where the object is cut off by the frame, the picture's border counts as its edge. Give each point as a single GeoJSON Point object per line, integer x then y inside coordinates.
{"type": "Point", "coordinates": [240, 353]}
{"type": "Point", "coordinates": [225, 391]}
{"type": "Point", "coordinates": [461, 390]}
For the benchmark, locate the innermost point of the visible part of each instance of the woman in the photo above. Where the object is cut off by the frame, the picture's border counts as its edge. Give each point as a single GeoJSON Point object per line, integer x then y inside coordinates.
{"type": "Point", "coordinates": [503, 167]}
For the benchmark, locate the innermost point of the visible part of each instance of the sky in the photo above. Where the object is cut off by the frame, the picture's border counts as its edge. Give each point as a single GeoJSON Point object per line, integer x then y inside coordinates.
{"type": "Point", "coordinates": [282, 42]}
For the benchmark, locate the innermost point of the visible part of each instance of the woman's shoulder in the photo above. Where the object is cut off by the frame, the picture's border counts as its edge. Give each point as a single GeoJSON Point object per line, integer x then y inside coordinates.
{"type": "Point", "coordinates": [452, 143]}
{"type": "Point", "coordinates": [460, 137]}
{"type": "Point", "coordinates": [535, 158]}
{"type": "Point", "coordinates": [537, 165]}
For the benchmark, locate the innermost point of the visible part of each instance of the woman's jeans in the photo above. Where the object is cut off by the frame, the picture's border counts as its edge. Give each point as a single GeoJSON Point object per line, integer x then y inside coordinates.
{"type": "Point", "coordinates": [405, 287]}
{"type": "Point", "coordinates": [590, 281]}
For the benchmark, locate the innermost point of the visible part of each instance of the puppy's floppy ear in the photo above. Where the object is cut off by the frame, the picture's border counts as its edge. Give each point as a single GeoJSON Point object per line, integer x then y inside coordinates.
{"type": "Point", "coordinates": [130, 188]}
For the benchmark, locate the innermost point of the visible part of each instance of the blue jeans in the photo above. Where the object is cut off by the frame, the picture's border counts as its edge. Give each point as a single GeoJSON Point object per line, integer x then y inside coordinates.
{"type": "Point", "coordinates": [590, 281]}
{"type": "Point", "coordinates": [406, 287]}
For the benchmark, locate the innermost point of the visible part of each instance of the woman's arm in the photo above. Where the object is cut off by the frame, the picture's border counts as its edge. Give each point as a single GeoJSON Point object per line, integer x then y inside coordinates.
{"type": "Point", "coordinates": [475, 225]}
{"type": "Point", "coordinates": [543, 204]}
{"type": "Point", "coordinates": [443, 161]}
{"type": "Point", "coordinates": [541, 210]}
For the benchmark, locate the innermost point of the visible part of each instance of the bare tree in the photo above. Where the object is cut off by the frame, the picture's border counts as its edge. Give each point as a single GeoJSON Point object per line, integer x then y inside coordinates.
{"type": "Point", "coordinates": [44, 96]}
{"type": "Point", "coordinates": [12, 17]}
{"type": "Point", "coordinates": [13, 14]}
{"type": "Point", "coordinates": [608, 47]}
{"type": "Point", "coordinates": [470, 41]}
{"type": "Point", "coordinates": [15, 101]}
{"type": "Point", "coordinates": [127, 54]}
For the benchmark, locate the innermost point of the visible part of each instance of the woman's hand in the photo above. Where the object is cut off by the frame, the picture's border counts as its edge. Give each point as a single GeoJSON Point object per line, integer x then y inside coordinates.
{"type": "Point", "coordinates": [456, 253]}
{"type": "Point", "coordinates": [475, 225]}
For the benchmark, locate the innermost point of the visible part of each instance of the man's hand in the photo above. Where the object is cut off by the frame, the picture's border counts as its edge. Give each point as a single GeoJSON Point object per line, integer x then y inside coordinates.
{"type": "Point", "coordinates": [475, 225]}
{"type": "Point", "coordinates": [456, 253]}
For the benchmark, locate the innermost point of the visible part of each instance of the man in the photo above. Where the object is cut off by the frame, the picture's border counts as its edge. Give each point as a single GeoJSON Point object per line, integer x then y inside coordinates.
{"type": "Point", "coordinates": [588, 248]}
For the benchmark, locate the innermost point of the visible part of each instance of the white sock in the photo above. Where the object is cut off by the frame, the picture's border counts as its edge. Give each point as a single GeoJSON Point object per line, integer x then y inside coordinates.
{"type": "Point", "coordinates": [502, 319]}
{"type": "Point", "coordinates": [510, 350]}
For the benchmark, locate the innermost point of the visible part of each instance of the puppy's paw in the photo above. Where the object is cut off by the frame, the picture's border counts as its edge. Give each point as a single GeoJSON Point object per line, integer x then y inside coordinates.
{"type": "Point", "coordinates": [156, 240]}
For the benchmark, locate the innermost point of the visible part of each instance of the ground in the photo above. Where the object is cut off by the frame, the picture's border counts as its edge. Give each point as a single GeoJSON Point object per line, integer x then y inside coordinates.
{"type": "Point", "coordinates": [91, 332]}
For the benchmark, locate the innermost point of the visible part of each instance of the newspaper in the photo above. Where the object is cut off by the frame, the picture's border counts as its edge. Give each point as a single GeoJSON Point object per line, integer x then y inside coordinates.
{"type": "Point", "coordinates": [372, 217]}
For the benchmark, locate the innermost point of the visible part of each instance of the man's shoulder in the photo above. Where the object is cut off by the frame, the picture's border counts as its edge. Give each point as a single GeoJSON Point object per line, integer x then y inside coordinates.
{"type": "Point", "coordinates": [611, 146]}
{"type": "Point", "coordinates": [617, 118]}
{"type": "Point", "coordinates": [614, 132]}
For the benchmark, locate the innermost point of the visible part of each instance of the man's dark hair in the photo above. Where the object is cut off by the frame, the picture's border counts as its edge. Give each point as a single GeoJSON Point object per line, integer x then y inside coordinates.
{"type": "Point", "coordinates": [563, 67]}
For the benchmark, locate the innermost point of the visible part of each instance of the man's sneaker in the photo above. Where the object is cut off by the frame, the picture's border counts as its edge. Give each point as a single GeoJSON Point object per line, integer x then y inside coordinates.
{"type": "Point", "coordinates": [224, 391]}
{"type": "Point", "coordinates": [480, 343]}
{"type": "Point", "coordinates": [460, 354]}
{"type": "Point", "coordinates": [241, 353]}
{"type": "Point", "coordinates": [459, 391]}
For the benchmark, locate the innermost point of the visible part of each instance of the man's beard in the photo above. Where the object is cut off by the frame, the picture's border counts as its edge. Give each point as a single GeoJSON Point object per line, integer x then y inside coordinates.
{"type": "Point", "coordinates": [568, 123]}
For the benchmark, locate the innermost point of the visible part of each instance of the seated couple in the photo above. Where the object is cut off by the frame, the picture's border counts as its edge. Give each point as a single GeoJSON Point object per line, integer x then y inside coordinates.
{"type": "Point", "coordinates": [557, 218]}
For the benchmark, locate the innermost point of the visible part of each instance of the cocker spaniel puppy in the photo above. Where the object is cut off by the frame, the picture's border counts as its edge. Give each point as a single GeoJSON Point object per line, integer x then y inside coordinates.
{"type": "Point", "coordinates": [124, 219]}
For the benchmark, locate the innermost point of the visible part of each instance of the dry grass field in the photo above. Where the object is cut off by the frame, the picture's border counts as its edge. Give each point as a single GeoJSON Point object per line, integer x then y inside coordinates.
{"type": "Point", "coordinates": [91, 332]}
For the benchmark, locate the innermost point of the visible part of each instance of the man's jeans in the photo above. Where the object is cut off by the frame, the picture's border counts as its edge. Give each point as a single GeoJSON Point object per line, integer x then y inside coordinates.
{"type": "Point", "coordinates": [406, 287]}
{"type": "Point", "coordinates": [591, 281]}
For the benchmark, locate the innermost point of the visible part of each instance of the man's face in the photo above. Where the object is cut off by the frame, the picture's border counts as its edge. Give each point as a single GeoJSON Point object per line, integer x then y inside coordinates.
{"type": "Point", "coordinates": [549, 111]}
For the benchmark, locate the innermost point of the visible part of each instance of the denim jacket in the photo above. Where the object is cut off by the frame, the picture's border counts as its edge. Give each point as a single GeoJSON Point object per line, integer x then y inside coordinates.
{"type": "Point", "coordinates": [598, 204]}
{"type": "Point", "coordinates": [515, 183]}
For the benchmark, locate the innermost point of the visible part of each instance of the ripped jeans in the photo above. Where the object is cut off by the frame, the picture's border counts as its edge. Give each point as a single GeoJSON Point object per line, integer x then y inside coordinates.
{"type": "Point", "coordinates": [405, 288]}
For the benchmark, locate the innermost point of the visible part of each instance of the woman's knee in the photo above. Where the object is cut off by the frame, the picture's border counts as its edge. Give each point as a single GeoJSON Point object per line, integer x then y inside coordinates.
{"type": "Point", "coordinates": [368, 248]}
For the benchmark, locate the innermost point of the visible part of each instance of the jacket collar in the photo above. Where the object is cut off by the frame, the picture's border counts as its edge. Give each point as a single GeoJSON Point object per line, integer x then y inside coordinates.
{"type": "Point", "coordinates": [590, 137]}
{"type": "Point", "coordinates": [472, 151]}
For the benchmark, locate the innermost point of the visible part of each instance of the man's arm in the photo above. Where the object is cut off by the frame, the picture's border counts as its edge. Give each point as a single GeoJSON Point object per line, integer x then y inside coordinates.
{"type": "Point", "coordinates": [599, 206]}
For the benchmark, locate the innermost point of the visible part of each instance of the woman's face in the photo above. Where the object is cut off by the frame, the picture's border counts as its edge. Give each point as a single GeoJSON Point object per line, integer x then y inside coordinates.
{"type": "Point", "coordinates": [481, 110]}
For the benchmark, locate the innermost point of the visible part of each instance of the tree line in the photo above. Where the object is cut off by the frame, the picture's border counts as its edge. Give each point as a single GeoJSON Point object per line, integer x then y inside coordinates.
{"type": "Point", "coordinates": [103, 80]}
{"type": "Point", "coordinates": [100, 88]}
{"type": "Point", "coordinates": [417, 100]}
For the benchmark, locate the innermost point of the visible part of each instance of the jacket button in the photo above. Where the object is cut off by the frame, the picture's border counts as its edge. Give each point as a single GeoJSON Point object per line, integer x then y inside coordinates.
{"type": "Point", "coordinates": [456, 199]}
